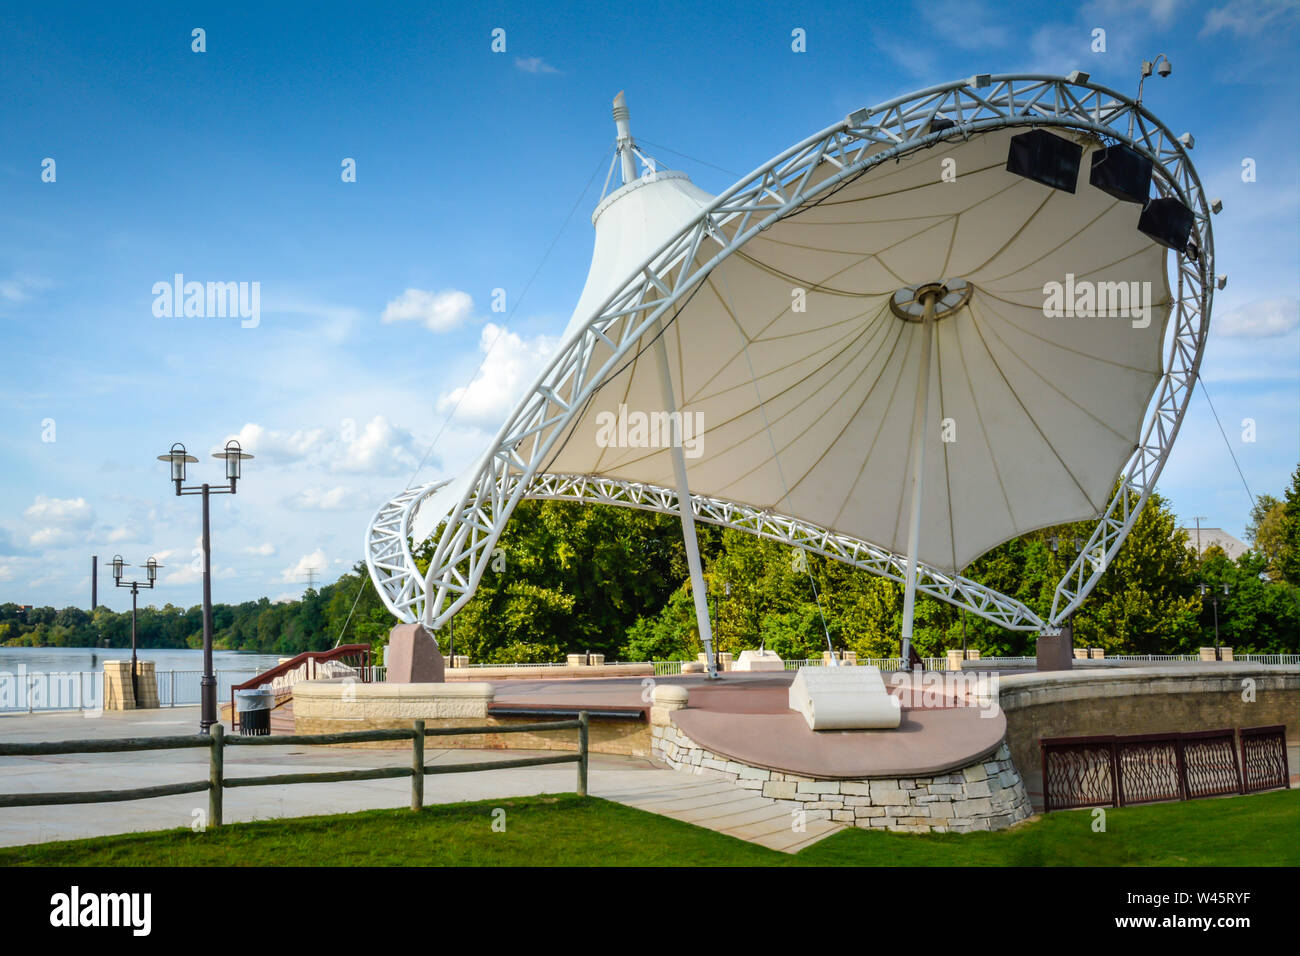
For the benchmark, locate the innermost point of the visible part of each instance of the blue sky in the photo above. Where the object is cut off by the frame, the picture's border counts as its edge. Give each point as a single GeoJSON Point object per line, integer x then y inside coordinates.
{"type": "Point", "coordinates": [225, 166]}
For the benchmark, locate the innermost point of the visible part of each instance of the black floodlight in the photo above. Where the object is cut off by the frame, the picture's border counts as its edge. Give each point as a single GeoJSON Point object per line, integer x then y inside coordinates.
{"type": "Point", "coordinates": [1168, 222]}
{"type": "Point", "coordinates": [1122, 172]}
{"type": "Point", "coordinates": [1045, 158]}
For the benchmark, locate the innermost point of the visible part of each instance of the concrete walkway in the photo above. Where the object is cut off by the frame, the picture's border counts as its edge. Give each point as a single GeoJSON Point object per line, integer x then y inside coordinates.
{"type": "Point", "coordinates": [722, 806]}
{"type": "Point", "coordinates": [717, 805]}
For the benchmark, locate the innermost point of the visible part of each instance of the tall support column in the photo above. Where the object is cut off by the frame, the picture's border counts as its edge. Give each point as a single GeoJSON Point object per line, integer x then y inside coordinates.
{"type": "Point", "coordinates": [684, 505]}
{"type": "Point", "coordinates": [920, 422]}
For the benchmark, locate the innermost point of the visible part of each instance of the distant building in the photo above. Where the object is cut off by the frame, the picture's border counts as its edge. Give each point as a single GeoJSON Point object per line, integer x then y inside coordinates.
{"type": "Point", "coordinates": [1232, 547]}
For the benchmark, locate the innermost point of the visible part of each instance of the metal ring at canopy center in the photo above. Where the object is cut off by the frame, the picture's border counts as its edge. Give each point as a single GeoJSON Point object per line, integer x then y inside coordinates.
{"type": "Point", "coordinates": [908, 303]}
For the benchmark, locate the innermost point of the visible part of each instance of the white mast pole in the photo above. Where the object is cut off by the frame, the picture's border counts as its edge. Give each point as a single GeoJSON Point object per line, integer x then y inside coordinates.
{"type": "Point", "coordinates": [621, 122]}
{"type": "Point", "coordinates": [698, 593]}
{"type": "Point", "coordinates": [920, 422]}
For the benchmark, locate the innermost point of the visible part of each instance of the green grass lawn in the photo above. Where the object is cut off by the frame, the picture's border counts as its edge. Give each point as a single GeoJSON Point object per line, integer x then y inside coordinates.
{"type": "Point", "coordinates": [1258, 830]}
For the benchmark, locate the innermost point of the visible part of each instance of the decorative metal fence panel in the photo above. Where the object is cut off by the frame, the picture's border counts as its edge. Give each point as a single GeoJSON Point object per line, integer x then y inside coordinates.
{"type": "Point", "coordinates": [1078, 772]}
{"type": "Point", "coordinates": [1150, 768]}
{"type": "Point", "coordinates": [1147, 768]}
{"type": "Point", "coordinates": [1210, 764]}
{"type": "Point", "coordinates": [1263, 759]}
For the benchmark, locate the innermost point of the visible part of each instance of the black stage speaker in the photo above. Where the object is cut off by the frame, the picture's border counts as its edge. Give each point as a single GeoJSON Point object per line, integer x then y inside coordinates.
{"type": "Point", "coordinates": [1045, 158]}
{"type": "Point", "coordinates": [1168, 222]}
{"type": "Point", "coordinates": [1122, 172]}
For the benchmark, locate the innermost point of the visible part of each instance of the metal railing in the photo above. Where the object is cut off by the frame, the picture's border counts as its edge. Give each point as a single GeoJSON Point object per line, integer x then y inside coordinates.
{"type": "Point", "coordinates": [83, 690]}
{"type": "Point", "coordinates": [305, 666]}
{"type": "Point", "coordinates": [217, 782]}
{"type": "Point", "coordinates": [1121, 771]}
{"type": "Point", "coordinates": [32, 691]}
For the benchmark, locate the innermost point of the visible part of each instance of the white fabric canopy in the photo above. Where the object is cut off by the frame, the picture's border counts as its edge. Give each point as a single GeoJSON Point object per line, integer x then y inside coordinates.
{"type": "Point", "coordinates": [1043, 412]}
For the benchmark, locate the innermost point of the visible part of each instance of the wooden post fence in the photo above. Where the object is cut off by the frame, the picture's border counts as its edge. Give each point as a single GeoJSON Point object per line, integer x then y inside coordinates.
{"type": "Point", "coordinates": [218, 782]}
{"type": "Point", "coordinates": [417, 767]}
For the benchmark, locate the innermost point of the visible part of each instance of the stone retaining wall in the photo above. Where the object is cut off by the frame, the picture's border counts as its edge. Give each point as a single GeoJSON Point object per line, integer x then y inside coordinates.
{"type": "Point", "coordinates": [1164, 698]}
{"type": "Point", "coordinates": [987, 795]}
{"type": "Point", "coordinates": [334, 706]}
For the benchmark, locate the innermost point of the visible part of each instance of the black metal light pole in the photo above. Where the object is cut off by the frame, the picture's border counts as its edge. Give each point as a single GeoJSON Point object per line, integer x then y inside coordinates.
{"type": "Point", "coordinates": [151, 574]}
{"type": "Point", "coordinates": [1215, 602]}
{"type": "Point", "coordinates": [178, 458]}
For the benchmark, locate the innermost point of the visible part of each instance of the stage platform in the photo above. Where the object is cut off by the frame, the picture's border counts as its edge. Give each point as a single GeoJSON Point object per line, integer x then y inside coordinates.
{"type": "Point", "coordinates": [746, 717]}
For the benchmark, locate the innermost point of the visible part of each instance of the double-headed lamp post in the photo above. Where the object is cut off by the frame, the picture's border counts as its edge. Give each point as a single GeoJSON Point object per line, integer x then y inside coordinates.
{"type": "Point", "coordinates": [1215, 601]}
{"type": "Point", "coordinates": [178, 457]}
{"type": "Point", "coordinates": [151, 575]}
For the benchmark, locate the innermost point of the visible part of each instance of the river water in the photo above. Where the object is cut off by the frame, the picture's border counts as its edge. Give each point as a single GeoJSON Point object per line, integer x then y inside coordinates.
{"type": "Point", "coordinates": [62, 678]}
{"type": "Point", "coordinates": [66, 659]}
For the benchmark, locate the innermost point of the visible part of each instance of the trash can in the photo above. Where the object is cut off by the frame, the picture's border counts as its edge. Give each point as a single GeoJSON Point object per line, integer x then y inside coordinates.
{"type": "Point", "coordinates": [254, 708]}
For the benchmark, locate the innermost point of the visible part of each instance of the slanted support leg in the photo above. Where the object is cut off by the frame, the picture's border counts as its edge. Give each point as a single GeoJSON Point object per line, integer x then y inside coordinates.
{"type": "Point", "coordinates": [698, 593]}
{"type": "Point", "coordinates": [920, 422]}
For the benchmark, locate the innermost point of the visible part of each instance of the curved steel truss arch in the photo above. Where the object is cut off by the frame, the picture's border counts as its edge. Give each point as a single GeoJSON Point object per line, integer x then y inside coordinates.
{"type": "Point", "coordinates": [399, 582]}
{"type": "Point", "coordinates": [775, 190]}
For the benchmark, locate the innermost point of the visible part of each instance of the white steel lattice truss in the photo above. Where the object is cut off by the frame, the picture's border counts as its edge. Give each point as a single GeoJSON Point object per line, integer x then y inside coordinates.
{"type": "Point", "coordinates": [515, 466]}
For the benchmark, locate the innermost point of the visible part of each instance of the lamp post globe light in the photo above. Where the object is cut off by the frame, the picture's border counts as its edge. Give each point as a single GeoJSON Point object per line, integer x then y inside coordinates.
{"type": "Point", "coordinates": [151, 575]}
{"type": "Point", "coordinates": [178, 458]}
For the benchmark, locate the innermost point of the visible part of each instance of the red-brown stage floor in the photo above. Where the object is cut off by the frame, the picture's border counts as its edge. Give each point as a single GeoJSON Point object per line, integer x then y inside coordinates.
{"type": "Point", "coordinates": [746, 717]}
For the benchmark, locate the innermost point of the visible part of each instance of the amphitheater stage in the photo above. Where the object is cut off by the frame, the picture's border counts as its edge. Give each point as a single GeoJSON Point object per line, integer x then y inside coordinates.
{"type": "Point", "coordinates": [746, 717]}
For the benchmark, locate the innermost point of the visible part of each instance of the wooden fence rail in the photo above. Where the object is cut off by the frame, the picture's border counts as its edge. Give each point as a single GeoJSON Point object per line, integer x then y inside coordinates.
{"type": "Point", "coordinates": [217, 782]}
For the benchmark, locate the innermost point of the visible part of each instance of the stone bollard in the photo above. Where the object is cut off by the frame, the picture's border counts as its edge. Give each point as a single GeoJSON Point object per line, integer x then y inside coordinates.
{"type": "Point", "coordinates": [117, 685]}
{"type": "Point", "coordinates": [954, 659]}
{"type": "Point", "coordinates": [667, 698]}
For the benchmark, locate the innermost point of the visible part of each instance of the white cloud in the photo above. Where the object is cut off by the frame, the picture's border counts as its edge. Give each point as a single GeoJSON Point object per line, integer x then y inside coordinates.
{"type": "Point", "coordinates": [1251, 18]}
{"type": "Point", "coordinates": [315, 562]}
{"type": "Point", "coordinates": [438, 311]}
{"type": "Point", "coordinates": [123, 533]}
{"type": "Point", "coordinates": [1265, 318]}
{"type": "Point", "coordinates": [968, 26]}
{"type": "Point", "coordinates": [19, 288]}
{"type": "Point", "coordinates": [67, 512]}
{"type": "Point", "coordinates": [51, 538]}
{"type": "Point", "coordinates": [187, 567]}
{"type": "Point", "coordinates": [332, 322]}
{"type": "Point", "coordinates": [9, 546]}
{"type": "Point", "coordinates": [510, 365]}
{"type": "Point", "coordinates": [535, 65]}
{"type": "Point", "coordinates": [277, 446]}
{"type": "Point", "coordinates": [265, 549]}
{"type": "Point", "coordinates": [337, 498]}
{"type": "Point", "coordinates": [381, 447]}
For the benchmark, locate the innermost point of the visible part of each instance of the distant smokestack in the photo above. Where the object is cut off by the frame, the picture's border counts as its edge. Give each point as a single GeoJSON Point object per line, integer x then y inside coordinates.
{"type": "Point", "coordinates": [94, 582]}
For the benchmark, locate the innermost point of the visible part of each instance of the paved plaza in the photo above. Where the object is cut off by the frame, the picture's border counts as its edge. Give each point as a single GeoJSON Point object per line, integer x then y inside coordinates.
{"type": "Point", "coordinates": [636, 782]}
